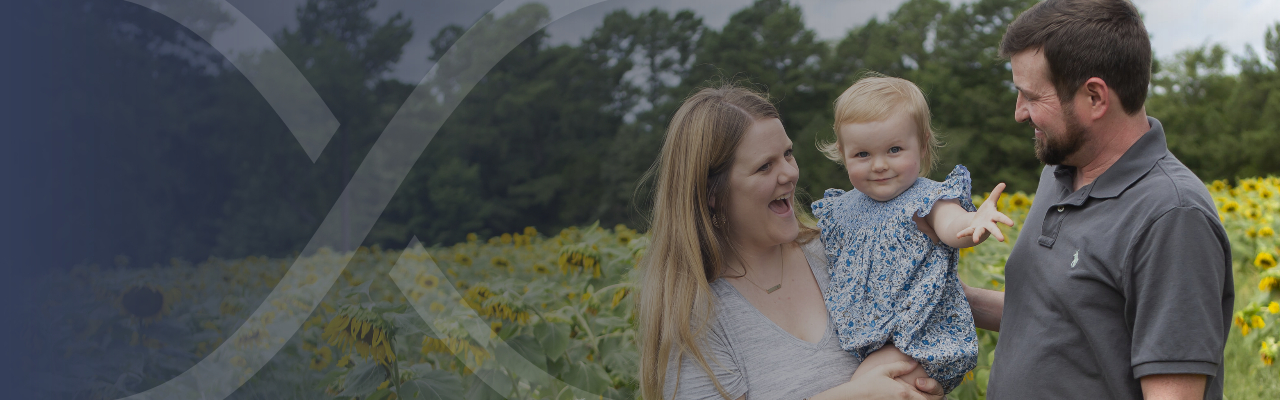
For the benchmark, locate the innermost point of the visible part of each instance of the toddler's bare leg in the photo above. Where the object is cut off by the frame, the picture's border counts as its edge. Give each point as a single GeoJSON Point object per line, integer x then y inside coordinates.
{"type": "Point", "coordinates": [888, 354]}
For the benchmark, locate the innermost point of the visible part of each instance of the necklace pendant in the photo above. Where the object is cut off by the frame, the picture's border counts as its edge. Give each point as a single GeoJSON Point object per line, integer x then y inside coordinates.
{"type": "Point", "coordinates": [773, 289]}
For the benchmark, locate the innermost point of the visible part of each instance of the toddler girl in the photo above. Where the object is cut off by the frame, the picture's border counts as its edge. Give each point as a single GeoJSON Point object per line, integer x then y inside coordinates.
{"type": "Point", "coordinates": [892, 241]}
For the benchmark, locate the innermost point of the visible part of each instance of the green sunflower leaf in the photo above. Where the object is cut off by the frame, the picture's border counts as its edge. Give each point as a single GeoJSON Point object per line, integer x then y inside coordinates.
{"type": "Point", "coordinates": [553, 337]}
{"type": "Point", "coordinates": [364, 379]}
{"type": "Point", "coordinates": [432, 385]}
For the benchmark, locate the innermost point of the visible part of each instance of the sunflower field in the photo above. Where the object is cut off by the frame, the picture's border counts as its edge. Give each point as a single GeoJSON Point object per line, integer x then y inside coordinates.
{"type": "Point", "coordinates": [520, 315]}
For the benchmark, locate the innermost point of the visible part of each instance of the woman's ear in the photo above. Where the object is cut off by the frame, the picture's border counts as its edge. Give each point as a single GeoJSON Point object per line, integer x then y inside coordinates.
{"type": "Point", "coordinates": [711, 202]}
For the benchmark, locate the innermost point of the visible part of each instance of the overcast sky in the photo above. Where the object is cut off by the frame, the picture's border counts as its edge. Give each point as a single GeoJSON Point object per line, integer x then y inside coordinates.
{"type": "Point", "coordinates": [1174, 24]}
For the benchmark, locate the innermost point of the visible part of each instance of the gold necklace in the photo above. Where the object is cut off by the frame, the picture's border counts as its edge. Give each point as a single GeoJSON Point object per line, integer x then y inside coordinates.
{"type": "Point", "coordinates": [783, 261]}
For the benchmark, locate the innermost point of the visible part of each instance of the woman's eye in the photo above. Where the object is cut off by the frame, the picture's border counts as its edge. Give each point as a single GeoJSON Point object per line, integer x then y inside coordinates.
{"type": "Point", "coordinates": [862, 154]}
{"type": "Point", "coordinates": [787, 154]}
{"type": "Point", "coordinates": [894, 149]}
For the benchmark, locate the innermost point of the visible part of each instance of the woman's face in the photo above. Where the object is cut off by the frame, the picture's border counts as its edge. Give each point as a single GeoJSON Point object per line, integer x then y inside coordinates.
{"type": "Point", "coordinates": [762, 184]}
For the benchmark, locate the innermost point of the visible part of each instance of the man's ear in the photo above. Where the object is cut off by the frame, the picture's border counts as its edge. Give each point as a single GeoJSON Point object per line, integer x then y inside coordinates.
{"type": "Point", "coordinates": [1098, 94]}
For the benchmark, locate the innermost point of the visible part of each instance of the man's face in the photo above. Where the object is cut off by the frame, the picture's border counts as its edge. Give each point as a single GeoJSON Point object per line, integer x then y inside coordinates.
{"type": "Point", "coordinates": [1058, 131]}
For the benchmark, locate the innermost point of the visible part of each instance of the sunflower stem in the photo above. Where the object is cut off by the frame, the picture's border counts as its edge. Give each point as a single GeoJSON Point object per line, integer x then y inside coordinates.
{"type": "Point", "coordinates": [587, 328]}
{"type": "Point", "coordinates": [395, 371]}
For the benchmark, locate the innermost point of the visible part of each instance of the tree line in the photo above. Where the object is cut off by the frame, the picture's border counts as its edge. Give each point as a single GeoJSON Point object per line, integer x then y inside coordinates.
{"type": "Point", "coordinates": [186, 159]}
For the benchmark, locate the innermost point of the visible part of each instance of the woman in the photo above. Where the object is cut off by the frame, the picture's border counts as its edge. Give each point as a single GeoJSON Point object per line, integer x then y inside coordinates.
{"type": "Point", "coordinates": [731, 299]}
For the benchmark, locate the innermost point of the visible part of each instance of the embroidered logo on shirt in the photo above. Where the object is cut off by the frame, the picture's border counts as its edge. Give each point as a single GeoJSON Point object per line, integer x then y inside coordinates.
{"type": "Point", "coordinates": [1075, 258]}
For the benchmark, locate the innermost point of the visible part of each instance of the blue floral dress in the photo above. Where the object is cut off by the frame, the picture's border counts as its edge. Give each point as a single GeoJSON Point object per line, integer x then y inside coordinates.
{"type": "Point", "coordinates": [890, 282]}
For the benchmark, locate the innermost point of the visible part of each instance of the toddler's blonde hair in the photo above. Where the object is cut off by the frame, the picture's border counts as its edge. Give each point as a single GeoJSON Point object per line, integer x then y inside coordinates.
{"type": "Point", "coordinates": [874, 98]}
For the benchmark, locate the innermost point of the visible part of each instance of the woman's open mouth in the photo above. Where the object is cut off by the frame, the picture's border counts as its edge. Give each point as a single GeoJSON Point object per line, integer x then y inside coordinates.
{"type": "Point", "coordinates": [781, 205]}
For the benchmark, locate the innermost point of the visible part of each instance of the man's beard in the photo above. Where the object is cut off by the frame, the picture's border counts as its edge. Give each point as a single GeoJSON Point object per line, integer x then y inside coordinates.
{"type": "Point", "coordinates": [1054, 149]}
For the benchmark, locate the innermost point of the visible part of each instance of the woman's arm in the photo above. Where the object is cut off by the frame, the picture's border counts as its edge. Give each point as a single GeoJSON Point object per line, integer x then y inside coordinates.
{"type": "Point", "coordinates": [881, 375]}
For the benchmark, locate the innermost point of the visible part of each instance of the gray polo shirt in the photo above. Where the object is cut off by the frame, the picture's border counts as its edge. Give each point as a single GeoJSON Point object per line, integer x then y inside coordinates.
{"type": "Point", "coordinates": [1128, 276]}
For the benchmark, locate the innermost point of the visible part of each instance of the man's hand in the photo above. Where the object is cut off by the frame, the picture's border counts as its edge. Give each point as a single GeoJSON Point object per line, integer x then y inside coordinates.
{"type": "Point", "coordinates": [984, 221]}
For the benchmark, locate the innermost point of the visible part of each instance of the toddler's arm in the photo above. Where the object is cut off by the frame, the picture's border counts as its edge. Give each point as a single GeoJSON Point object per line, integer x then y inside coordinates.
{"type": "Point", "coordinates": [959, 228]}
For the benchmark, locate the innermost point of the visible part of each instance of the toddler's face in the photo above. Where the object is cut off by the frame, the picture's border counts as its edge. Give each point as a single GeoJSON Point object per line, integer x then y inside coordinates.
{"type": "Point", "coordinates": [882, 157]}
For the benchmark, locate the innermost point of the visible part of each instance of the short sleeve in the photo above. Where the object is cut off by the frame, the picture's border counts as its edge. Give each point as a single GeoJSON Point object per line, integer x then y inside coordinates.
{"type": "Point", "coordinates": [824, 210]}
{"type": "Point", "coordinates": [693, 380]}
{"type": "Point", "coordinates": [1179, 284]}
{"type": "Point", "coordinates": [957, 185]}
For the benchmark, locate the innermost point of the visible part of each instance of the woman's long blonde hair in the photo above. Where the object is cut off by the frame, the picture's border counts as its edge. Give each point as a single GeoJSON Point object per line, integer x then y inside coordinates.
{"type": "Point", "coordinates": [688, 250]}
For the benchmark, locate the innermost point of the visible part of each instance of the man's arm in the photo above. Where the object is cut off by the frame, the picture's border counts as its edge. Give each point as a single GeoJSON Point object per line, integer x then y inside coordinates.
{"type": "Point", "coordinates": [1173, 387]}
{"type": "Point", "coordinates": [1179, 295]}
{"type": "Point", "coordinates": [987, 306]}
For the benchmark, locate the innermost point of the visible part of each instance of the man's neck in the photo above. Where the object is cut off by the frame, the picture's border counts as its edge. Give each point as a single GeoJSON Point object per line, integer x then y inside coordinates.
{"type": "Point", "coordinates": [1108, 144]}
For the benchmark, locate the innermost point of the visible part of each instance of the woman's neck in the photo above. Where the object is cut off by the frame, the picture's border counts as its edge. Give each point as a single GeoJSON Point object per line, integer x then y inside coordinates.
{"type": "Point", "coordinates": [757, 260]}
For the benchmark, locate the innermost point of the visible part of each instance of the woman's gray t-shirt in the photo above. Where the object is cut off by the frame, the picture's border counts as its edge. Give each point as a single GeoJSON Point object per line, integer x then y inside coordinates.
{"type": "Point", "coordinates": [753, 356]}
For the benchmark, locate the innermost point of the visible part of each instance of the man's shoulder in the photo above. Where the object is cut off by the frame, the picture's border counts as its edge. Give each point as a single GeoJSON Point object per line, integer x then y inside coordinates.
{"type": "Point", "coordinates": [1176, 186]}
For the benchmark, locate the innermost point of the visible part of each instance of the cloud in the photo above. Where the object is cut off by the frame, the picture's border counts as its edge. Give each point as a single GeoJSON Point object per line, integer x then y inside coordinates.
{"type": "Point", "coordinates": [1177, 25]}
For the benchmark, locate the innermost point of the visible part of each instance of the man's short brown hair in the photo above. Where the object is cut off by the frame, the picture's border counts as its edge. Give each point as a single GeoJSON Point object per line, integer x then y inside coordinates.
{"type": "Point", "coordinates": [1082, 39]}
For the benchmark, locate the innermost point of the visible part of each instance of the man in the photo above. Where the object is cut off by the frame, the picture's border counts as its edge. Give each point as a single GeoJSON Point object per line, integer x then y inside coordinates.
{"type": "Point", "coordinates": [1120, 284]}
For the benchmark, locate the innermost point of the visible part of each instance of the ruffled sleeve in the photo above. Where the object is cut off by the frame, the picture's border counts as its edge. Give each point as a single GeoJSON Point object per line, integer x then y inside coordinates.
{"type": "Point", "coordinates": [957, 186]}
{"type": "Point", "coordinates": [824, 211]}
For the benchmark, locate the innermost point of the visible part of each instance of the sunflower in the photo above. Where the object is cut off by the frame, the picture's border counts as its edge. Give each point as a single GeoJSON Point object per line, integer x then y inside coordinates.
{"type": "Point", "coordinates": [1266, 231]}
{"type": "Point", "coordinates": [427, 281]}
{"type": "Point", "coordinates": [362, 330]}
{"type": "Point", "coordinates": [460, 348]}
{"type": "Point", "coordinates": [1230, 207]}
{"type": "Point", "coordinates": [580, 257]}
{"type": "Point", "coordinates": [1249, 185]}
{"type": "Point", "coordinates": [1256, 322]}
{"type": "Point", "coordinates": [1264, 260]}
{"type": "Point", "coordinates": [145, 303]}
{"type": "Point", "coordinates": [1253, 213]}
{"type": "Point", "coordinates": [504, 310]}
{"type": "Point", "coordinates": [500, 262]}
{"type": "Point", "coordinates": [530, 231]}
{"type": "Point", "coordinates": [462, 259]}
{"type": "Point", "coordinates": [541, 269]}
{"type": "Point", "coordinates": [1218, 186]}
{"type": "Point", "coordinates": [505, 238]}
{"type": "Point", "coordinates": [1267, 283]}
{"type": "Point", "coordinates": [472, 238]}
{"type": "Point", "coordinates": [477, 294]}
{"type": "Point", "coordinates": [1019, 201]}
{"type": "Point", "coordinates": [1266, 194]}
{"type": "Point", "coordinates": [617, 297]}
{"type": "Point", "coordinates": [1238, 320]}
{"type": "Point", "coordinates": [1273, 308]}
{"type": "Point", "coordinates": [625, 236]}
{"type": "Point", "coordinates": [321, 358]}
{"type": "Point", "coordinates": [1268, 351]}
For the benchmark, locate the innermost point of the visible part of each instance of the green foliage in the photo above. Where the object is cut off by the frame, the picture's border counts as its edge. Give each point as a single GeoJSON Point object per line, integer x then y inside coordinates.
{"type": "Point", "coordinates": [554, 135]}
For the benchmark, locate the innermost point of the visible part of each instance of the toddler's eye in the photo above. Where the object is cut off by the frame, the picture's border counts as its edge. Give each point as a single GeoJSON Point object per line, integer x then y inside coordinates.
{"type": "Point", "coordinates": [862, 154]}
{"type": "Point", "coordinates": [787, 154]}
{"type": "Point", "coordinates": [894, 149]}
{"type": "Point", "coordinates": [763, 167]}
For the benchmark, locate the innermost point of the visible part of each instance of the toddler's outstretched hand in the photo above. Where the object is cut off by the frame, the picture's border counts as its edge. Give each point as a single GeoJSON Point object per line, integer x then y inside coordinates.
{"type": "Point", "coordinates": [984, 221]}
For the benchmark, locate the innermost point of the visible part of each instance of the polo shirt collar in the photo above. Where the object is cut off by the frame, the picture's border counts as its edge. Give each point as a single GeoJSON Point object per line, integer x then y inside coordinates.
{"type": "Point", "coordinates": [1131, 166]}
